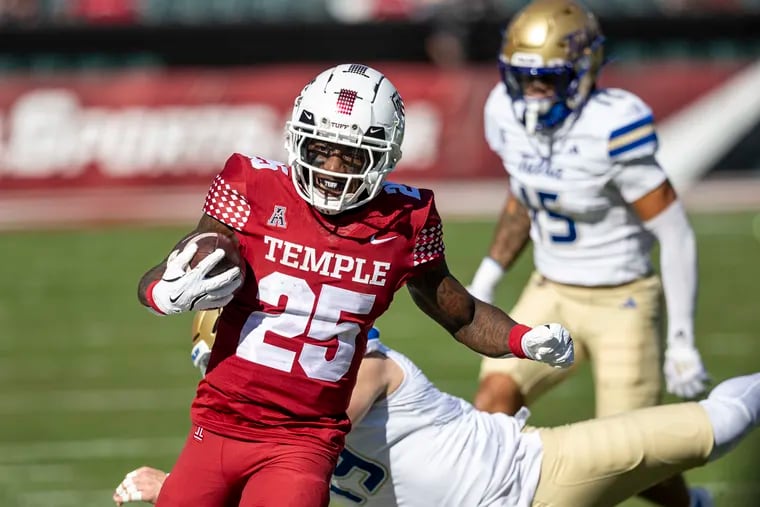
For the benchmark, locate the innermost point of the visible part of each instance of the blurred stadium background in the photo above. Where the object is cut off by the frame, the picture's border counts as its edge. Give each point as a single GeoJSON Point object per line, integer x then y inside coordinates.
{"type": "Point", "coordinates": [115, 114]}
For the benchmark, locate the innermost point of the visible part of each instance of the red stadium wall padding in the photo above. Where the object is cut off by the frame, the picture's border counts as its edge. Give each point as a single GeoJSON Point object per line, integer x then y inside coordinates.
{"type": "Point", "coordinates": [158, 127]}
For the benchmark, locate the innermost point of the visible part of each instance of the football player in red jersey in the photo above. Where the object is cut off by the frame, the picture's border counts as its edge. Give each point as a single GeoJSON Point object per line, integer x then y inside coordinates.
{"type": "Point", "coordinates": [327, 243]}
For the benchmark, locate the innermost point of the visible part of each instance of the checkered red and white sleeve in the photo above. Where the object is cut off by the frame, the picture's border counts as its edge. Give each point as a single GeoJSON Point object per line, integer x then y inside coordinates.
{"type": "Point", "coordinates": [226, 200]}
{"type": "Point", "coordinates": [429, 243]}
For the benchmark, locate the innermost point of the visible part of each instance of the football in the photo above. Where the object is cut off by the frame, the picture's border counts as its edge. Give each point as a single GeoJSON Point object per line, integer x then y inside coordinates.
{"type": "Point", "coordinates": [207, 243]}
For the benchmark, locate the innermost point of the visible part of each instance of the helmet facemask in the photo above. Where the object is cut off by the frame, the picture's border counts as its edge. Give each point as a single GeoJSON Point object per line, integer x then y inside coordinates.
{"type": "Point", "coordinates": [367, 161]}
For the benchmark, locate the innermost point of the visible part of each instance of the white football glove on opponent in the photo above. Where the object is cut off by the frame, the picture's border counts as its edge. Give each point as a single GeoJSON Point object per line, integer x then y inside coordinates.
{"type": "Point", "coordinates": [141, 485]}
{"type": "Point", "coordinates": [550, 344]}
{"type": "Point", "coordinates": [685, 375]}
{"type": "Point", "coordinates": [182, 288]}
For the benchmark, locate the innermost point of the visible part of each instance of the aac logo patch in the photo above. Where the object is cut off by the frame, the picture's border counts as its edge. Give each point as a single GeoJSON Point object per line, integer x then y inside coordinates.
{"type": "Point", "coordinates": [278, 217]}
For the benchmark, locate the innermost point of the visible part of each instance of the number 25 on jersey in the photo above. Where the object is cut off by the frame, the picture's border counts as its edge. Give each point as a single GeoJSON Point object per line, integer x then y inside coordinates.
{"type": "Point", "coordinates": [323, 323]}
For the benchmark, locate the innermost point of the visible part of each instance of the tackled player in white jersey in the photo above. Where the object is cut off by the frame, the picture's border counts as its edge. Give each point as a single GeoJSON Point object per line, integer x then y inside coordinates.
{"type": "Point", "coordinates": [413, 445]}
{"type": "Point", "coordinates": [585, 186]}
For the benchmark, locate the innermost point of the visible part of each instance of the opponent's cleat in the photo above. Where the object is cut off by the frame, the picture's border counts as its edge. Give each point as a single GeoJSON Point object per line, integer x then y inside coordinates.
{"type": "Point", "coordinates": [700, 497]}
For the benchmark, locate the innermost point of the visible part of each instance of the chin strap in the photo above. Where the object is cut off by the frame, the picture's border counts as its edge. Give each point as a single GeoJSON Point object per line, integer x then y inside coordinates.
{"type": "Point", "coordinates": [532, 113]}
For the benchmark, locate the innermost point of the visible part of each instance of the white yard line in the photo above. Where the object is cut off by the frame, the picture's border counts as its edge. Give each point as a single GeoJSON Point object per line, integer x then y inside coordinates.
{"type": "Point", "coordinates": [483, 199]}
{"type": "Point", "coordinates": [719, 225]}
{"type": "Point", "coordinates": [37, 474]}
{"type": "Point", "coordinates": [101, 497]}
{"type": "Point", "coordinates": [726, 344]}
{"type": "Point", "coordinates": [86, 450]}
{"type": "Point", "coordinates": [65, 498]}
{"type": "Point", "coordinates": [42, 365]}
{"type": "Point", "coordinates": [95, 400]}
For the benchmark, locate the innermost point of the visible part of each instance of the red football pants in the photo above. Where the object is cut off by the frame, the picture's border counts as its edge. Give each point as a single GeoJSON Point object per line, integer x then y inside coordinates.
{"type": "Point", "coordinates": [216, 471]}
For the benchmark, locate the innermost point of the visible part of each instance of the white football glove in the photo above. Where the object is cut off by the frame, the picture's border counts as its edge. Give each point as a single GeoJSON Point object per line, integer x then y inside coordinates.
{"type": "Point", "coordinates": [685, 375]}
{"type": "Point", "coordinates": [550, 344]}
{"type": "Point", "coordinates": [200, 355]}
{"type": "Point", "coordinates": [182, 289]}
{"type": "Point", "coordinates": [141, 485]}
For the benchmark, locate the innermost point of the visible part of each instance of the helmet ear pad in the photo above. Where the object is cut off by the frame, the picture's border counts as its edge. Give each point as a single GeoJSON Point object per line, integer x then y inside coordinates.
{"type": "Point", "coordinates": [358, 112]}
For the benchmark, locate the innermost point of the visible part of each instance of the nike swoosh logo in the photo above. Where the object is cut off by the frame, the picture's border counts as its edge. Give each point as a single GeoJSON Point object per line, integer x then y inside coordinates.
{"type": "Point", "coordinates": [195, 301]}
{"type": "Point", "coordinates": [375, 241]}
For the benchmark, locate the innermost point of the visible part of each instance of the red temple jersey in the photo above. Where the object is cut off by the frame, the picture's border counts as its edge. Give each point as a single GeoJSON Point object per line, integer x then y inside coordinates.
{"type": "Point", "coordinates": [289, 345]}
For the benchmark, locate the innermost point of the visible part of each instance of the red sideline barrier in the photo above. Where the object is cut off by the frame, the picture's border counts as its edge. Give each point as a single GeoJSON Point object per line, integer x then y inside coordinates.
{"type": "Point", "coordinates": [147, 127]}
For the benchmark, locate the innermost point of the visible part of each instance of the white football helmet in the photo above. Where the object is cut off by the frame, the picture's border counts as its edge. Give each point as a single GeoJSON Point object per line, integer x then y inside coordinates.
{"type": "Point", "coordinates": [358, 110]}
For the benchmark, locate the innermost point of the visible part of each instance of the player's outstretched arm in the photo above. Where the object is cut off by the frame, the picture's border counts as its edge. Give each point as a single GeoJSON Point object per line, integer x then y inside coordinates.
{"type": "Point", "coordinates": [483, 327]}
{"type": "Point", "coordinates": [141, 485]}
{"type": "Point", "coordinates": [376, 376]}
{"type": "Point", "coordinates": [510, 237]}
{"type": "Point", "coordinates": [664, 216]}
{"type": "Point", "coordinates": [173, 287]}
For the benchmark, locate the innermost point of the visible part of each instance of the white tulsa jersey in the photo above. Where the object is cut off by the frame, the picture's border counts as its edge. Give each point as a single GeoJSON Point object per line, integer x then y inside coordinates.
{"type": "Point", "coordinates": [421, 447]}
{"type": "Point", "coordinates": [577, 185]}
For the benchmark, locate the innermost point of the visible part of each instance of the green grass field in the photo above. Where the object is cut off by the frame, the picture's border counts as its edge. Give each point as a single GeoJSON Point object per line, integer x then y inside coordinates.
{"type": "Point", "coordinates": [93, 385]}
